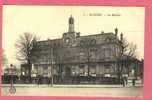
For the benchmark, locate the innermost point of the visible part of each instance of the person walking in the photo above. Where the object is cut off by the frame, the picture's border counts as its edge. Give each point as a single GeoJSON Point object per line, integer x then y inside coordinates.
{"type": "Point", "coordinates": [133, 82]}
{"type": "Point", "coordinates": [123, 81]}
{"type": "Point", "coordinates": [49, 80]}
{"type": "Point", "coordinates": [126, 80]}
{"type": "Point", "coordinates": [39, 80]}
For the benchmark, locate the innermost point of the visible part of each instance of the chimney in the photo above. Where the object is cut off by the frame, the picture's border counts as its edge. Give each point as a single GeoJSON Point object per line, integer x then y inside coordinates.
{"type": "Point", "coordinates": [102, 32]}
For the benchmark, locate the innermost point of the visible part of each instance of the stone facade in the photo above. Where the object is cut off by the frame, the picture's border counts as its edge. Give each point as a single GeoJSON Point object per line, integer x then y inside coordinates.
{"type": "Point", "coordinates": [76, 55]}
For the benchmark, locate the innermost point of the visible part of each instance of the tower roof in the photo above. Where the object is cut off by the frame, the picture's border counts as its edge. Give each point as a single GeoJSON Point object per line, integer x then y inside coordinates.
{"type": "Point", "coordinates": [71, 20]}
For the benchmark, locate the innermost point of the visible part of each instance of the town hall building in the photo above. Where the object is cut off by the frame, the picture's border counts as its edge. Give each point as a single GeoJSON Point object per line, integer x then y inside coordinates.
{"type": "Point", "coordinates": [75, 55]}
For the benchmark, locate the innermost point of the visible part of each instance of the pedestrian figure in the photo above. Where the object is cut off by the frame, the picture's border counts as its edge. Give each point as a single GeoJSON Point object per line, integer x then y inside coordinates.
{"type": "Point", "coordinates": [133, 82]}
{"type": "Point", "coordinates": [126, 80]}
{"type": "Point", "coordinates": [123, 81]}
{"type": "Point", "coordinates": [39, 80]}
{"type": "Point", "coordinates": [49, 81]}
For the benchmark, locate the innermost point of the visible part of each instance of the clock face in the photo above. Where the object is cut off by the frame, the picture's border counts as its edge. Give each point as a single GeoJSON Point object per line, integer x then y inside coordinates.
{"type": "Point", "coordinates": [67, 40]}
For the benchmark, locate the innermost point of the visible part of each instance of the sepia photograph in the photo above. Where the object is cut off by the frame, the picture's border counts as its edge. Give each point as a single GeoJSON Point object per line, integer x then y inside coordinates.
{"type": "Point", "coordinates": [73, 51]}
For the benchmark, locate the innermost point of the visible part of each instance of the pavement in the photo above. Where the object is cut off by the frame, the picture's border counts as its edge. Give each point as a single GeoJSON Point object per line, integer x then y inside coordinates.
{"type": "Point", "coordinates": [73, 86]}
{"type": "Point", "coordinates": [73, 90]}
{"type": "Point", "coordinates": [99, 90]}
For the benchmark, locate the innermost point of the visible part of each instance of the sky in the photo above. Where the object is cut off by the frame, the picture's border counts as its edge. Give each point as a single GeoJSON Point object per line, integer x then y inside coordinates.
{"type": "Point", "coordinates": [52, 21]}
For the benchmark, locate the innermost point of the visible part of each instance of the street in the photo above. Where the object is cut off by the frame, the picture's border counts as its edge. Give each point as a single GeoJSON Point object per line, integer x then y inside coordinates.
{"type": "Point", "coordinates": [75, 90]}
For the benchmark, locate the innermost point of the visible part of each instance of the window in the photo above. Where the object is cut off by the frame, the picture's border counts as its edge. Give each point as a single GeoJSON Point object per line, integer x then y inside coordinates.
{"type": "Point", "coordinates": [93, 42]}
{"type": "Point", "coordinates": [107, 68]}
{"type": "Point", "coordinates": [45, 69]}
{"type": "Point", "coordinates": [107, 53]}
{"type": "Point", "coordinates": [93, 66]}
{"type": "Point", "coordinates": [81, 66]}
{"type": "Point", "coordinates": [108, 39]}
{"type": "Point", "coordinates": [93, 53]}
{"type": "Point", "coordinates": [81, 43]}
{"type": "Point", "coordinates": [82, 55]}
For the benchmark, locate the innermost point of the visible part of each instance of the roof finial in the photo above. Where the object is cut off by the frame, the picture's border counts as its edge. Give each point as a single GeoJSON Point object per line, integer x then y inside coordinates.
{"type": "Point", "coordinates": [121, 36]}
{"type": "Point", "coordinates": [116, 31]}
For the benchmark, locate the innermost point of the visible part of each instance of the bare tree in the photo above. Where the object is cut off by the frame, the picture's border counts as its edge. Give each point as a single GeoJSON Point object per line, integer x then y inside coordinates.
{"type": "Point", "coordinates": [24, 46]}
{"type": "Point", "coordinates": [128, 51]}
{"type": "Point", "coordinates": [88, 45]}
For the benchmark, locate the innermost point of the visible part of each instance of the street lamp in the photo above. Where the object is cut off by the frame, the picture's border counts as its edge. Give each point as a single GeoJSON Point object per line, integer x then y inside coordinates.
{"type": "Point", "coordinates": [52, 69]}
{"type": "Point", "coordinates": [12, 89]}
{"type": "Point", "coordinates": [51, 61]}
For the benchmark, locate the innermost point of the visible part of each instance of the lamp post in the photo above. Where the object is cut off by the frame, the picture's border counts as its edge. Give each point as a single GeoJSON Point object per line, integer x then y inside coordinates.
{"type": "Point", "coordinates": [12, 89]}
{"type": "Point", "coordinates": [52, 74]}
{"type": "Point", "coordinates": [51, 62]}
{"type": "Point", "coordinates": [87, 45]}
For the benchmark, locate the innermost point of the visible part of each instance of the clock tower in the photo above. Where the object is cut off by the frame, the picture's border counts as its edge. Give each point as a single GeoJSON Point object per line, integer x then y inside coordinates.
{"type": "Point", "coordinates": [69, 37]}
